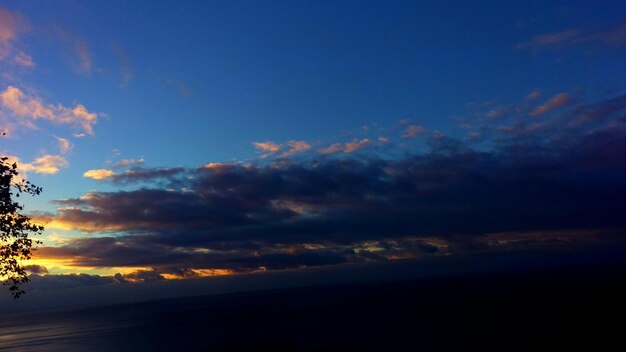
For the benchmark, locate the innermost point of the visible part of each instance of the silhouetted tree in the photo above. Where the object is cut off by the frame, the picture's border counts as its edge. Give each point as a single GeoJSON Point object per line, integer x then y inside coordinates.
{"type": "Point", "coordinates": [15, 228]}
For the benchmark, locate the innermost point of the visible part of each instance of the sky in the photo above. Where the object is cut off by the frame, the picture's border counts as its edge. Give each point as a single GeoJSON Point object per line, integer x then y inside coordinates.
{"type": "Point", "coordinates": [207, 138]}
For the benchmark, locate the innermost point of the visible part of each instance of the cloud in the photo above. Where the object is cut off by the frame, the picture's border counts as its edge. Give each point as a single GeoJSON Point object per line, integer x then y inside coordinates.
{"type": "Point", "coordinates": [78, 47]}
{"type": "Point", "coordinates": [23, 60]}
{"type": "Point", "coordinates": [557, 101]}
{"type": "Point", "coordinates": [576, 37]}
{"type": "Point", "coordinates": [127, 162]}
{"type": "Point", "coordinates": [50, 282]}
{"type": "Point", "coordinates": [412, 131]}
{"type": "Point", "coordinates": [267, 146]}
{"type": "Point", "coordinates": [99, 174]}
{"type": "Point", "coordinates": [24, 106]}
{"type": "Point", "coordinates": [534, 95]}
{"type": "Point", "coordinates": [64, 145]}
{"type": "Point", "coordinates": [139, 276]}
{"type": "Point", "coordinates": [11, 25]}
{"type": "Point", "coordinates": [331, 149]}
{"type": "Point", "coordinates": [356, 145]}
{"type": "Point", "coordinates": [8, 25]}
{"type": "Point", "coordinates": [296, 147]}
{"type": "Point", "coordinates": [45, 164]}
{"type": "Point", "coordinates": [126, 71]}
{"type": "Point", "coordinates": [527, 191]}
{"type": "Point", "coordinates": [36, 269]}
{"type": "Point", "coordinates": [134, 175]}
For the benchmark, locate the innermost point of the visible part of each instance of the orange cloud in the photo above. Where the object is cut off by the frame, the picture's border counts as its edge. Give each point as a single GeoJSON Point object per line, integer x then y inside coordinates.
{"type": "Point", "coordinates": [296, 147]}
{"type": "Point", "coordinates": [45, 164]}
{"type": "Point", "coordinates": [331, 149]}
{"type": "Point", "coordinates": [99, 174]}
{"type": "Point", "coordinates": [19, 104]}
{"type": "Point", "coordinates": [355, 145]}
{"type": "Point", "coordinates": [556, 101]}
{"type": "Point", "coordinates": [267, 146]}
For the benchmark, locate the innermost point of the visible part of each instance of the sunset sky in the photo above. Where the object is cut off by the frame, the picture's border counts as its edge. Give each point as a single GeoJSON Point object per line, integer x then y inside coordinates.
{"type": "Point", "coordinates": [198, 138]}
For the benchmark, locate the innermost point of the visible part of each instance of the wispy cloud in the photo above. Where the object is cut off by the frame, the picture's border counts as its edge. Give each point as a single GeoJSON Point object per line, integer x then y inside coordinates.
{"type": "Point", "coordinates": [576, 36]}
{"type": "Point", "coordinates": [64, 145]}
{"type": "Point", "coordinates": [78, 48]}
{"type": "Point", "coordinates": [21, 105]}
{"type": "Point", "coordinates": [23, 60]}
{"type": "Point", "coordinates": [333, 148]}
{"type": "Point", "coordinates": [356, 145]}
{"type": "Point", "coordinates": [295, 147]}
{"type": "Point", "coordinates": [126, 70]}
{"type": "Point", "coordinates": [11, 25]}
{"type": "Point", "coordinates": [350, 147]}
{"type": "Point", "coordinates": [556, 101]}
{"type": "Point", "coordinates": [127, 162]}
{"type": "Point", "coordinates": [412, 131]}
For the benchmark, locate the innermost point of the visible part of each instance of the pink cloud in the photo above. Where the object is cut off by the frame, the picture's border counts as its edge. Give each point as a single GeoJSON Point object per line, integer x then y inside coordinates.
{"type": "Point", "coordinates": [23, 60]}
{"type": "Point", "coordinates": [64, 145]}
{"type": "Point", "coordinates": [550, 39]}
{"type": "Point", "coordinates": [267, 146]}
{"type": "Point", "coordinates": [11, 25]}
{"type": "Point", "coordinates": [23, 106]}
{"type": "Point", "coordinates": [411, 131]}
{"type": "Point", "coordinates": [78, 47]}
{"type": "Point", "coordinates": [331, 149]}
{"type": "Point", "coordinates": [614, 37]}
{"type": "Point", "coordinates": [534, 95]}
{"type": "Point", "coordinates": [356, 145]}
{"type": "Point", "coordinates": [556, 101]}
{"type": "Point", "coordinates": [296, 147]}
{"type": "Point", "coordinates": [126, 71]}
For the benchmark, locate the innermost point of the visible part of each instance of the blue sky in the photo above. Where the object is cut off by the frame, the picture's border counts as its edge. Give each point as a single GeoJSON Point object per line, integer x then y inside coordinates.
{"type": "Point", "coordinates": [249, 84]}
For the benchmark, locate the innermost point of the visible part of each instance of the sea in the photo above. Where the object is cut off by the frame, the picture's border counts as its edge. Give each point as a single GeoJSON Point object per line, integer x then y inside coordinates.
{"type": "Point", "coordinates": [560, 309]}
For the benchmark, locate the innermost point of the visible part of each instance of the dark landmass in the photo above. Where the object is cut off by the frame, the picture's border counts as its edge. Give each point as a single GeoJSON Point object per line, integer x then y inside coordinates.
{"type": "Point", "coordinates": [557, 309]}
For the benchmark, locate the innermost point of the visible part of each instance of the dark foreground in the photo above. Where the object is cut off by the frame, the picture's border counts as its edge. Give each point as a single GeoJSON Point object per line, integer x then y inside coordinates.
{"type": "Point", "coordinates": [557, 310]}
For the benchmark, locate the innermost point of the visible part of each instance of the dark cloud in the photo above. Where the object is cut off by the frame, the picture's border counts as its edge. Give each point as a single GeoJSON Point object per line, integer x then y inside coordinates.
{"type": "Point", "coordinates": [561, 172]}
{"type": "Point", "coordinates": [141, 174]}
{"type": "Point", "coordinates": [139, 276]}
{"type": "Point", "coordinates": [51, 282]}
{"type": "Point", "coordinates": [36, 269]}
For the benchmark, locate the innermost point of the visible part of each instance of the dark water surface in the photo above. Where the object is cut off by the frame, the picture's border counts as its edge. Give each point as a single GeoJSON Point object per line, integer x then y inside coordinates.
{"type": "Point", "coordinates": [564, 309]}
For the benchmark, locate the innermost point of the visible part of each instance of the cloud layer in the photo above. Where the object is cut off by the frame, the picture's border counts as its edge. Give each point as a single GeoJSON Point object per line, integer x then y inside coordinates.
{"type": "Point", "coordinates": [538, 182]}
